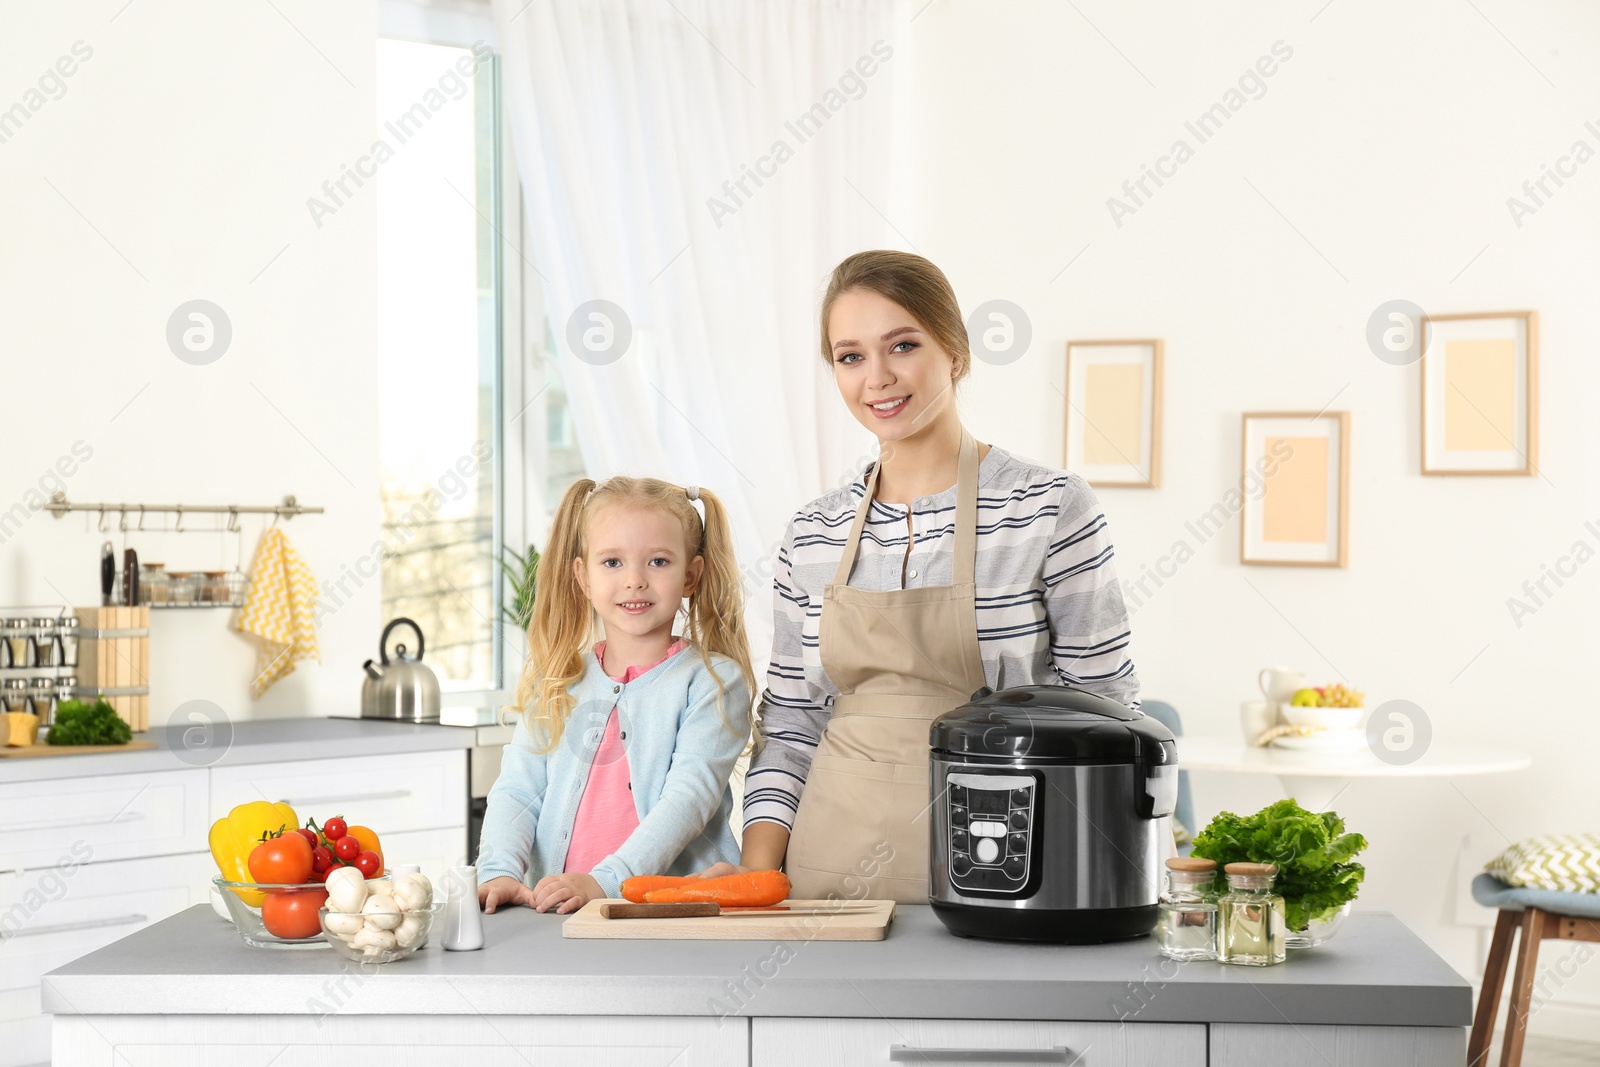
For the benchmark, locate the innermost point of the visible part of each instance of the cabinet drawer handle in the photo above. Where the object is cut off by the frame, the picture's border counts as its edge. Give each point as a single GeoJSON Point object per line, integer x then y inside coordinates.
{"type": "Point", "coordinates": [87, 924]}
{"type": "Point", "coordinates": [62, 824]}
{"type": "Point", "coordinates": [345, 798]}
{"type": "Point", "coordinates": [910, 1054]}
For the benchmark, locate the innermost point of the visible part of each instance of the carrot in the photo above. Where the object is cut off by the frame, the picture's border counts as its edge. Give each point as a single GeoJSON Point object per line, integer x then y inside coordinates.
{"type": "Point", "coordinates": [756, 889]}
{"type": "Point", "coordinates": [636, 887]}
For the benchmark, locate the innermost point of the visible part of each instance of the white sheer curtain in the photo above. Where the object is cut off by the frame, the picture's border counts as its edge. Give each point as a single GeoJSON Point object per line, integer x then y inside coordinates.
{"type": "Point", "coordinates": [703, 164]}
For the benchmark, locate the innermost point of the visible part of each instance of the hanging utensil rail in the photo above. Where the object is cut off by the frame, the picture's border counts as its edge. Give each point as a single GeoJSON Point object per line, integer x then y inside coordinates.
{"type": "Point", "coordinates": [59, 505]}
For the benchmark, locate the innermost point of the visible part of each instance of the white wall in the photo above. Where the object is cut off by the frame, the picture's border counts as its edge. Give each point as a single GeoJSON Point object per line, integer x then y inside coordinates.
{"type": "Point", "coordinates": [176, 165]}
{"type": "Point", "coordinates": [1391, 140]}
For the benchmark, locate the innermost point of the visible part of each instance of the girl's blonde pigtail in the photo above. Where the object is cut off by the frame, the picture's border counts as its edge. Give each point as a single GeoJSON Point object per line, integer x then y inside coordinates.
{"type": "Point", "coordinates": [716, 610]}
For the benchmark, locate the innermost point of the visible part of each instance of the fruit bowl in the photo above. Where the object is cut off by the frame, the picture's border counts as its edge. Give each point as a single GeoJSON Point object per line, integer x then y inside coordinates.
{"type": "Point", "coordinates": [297, 904]}
{"type": "Point", "coordinates": [1325, 718]}
{"type": "Point", "coordinates": [366, 937]}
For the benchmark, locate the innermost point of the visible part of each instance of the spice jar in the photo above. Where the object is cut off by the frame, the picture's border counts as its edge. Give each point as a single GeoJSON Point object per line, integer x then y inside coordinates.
{"type": "Point", "coordinates": [68, 632]}
{"type": "Point", "coordinates": [44, 700]}
{"type": "Point", "coordinates": [1187, 929]}
{"type": "Point", "coordinates": [1251, 926]}
{"type": "Point", "coordinates": [44, 642]}
{"type": "Point", "coordinates": [19, 643]}
{"type": "Point", "coordinates": [154, 585]}
{"type": "Point", "coordinates": [185, 587]}
{"type": "Point", "coordinates": [15, 692]}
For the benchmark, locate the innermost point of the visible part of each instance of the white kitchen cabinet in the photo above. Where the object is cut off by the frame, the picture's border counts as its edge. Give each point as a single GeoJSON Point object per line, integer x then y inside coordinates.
{"type": "Point", "coordinates": [54, 915]}
{"type": "Point", "coordinates": [105, 817]}
{"type": "Point", "coordinates": [390, 793]}
{"type": "Point", "coordinates": [807, 1042]}
{"type": "Point", "coordinates": [402, 1040]}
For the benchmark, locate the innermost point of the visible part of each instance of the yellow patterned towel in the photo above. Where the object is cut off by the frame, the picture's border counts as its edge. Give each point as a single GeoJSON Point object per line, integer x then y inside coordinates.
{"type": "Point", "coordinates": [279, 611]}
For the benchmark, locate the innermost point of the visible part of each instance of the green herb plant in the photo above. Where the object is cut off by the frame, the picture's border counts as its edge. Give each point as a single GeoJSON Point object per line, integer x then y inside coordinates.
{"type": "Point", "coordinates": [80, 723]}
{"type": "Point", "coordinates": [521, 575]}
{"type": "Point", "coordinates": [1313, 854]}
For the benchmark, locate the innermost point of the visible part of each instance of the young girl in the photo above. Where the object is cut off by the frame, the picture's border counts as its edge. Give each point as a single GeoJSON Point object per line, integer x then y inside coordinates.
{"type": "Point", "coordinates": [620, 764]}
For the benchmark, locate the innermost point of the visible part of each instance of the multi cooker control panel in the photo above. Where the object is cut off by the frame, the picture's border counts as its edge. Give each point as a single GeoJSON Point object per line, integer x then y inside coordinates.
{"type": "Point", "coordinates": [991, 820]}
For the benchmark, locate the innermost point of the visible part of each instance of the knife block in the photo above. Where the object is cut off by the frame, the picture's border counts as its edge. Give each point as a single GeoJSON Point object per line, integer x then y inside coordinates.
{"type": "Point", "coordinates": [114, 657]}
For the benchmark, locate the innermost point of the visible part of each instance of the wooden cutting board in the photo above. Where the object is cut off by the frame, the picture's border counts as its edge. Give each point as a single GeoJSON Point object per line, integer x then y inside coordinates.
{"type": "Point", "coordinates": [41, 749]}
{"type": "Point", "coordinates": [866, 920]}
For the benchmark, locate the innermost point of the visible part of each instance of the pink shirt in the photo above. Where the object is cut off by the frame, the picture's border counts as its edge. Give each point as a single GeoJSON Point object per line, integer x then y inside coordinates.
{"type": "Point", "coordinates": [606, 812]}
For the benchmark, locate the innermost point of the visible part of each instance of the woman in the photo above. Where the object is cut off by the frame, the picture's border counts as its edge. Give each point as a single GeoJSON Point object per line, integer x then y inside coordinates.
{"type": "Point", "coordinates": [948, 567]}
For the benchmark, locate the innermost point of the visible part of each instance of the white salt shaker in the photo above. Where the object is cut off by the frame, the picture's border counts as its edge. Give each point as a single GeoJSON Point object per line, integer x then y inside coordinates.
{"type": "Point", "coordinates": [463, 923]}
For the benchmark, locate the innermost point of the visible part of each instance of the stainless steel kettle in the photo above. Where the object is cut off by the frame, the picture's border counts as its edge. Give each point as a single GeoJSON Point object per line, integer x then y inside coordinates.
{"type": "Point", "coordinates": [402, 688]}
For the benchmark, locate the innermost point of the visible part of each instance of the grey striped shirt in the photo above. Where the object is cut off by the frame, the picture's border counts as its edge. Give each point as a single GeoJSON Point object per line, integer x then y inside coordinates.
{"type": "Point", "coordinates": [1050, 610]}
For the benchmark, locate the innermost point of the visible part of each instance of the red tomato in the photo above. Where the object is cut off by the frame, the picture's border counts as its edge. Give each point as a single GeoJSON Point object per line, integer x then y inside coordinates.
{"type": "Point", "coordinates": [347, 848]}
{"type": "Point", "coordinates": [369, 864]}
{"type": "Point", "coordinates": [293, 914]}
{"type": "Point", "coordinates": [335, 828]}
{"type": "Point", "coordinates": [321, 860]}
{"type": "Point", "coordinates": [284, 860]}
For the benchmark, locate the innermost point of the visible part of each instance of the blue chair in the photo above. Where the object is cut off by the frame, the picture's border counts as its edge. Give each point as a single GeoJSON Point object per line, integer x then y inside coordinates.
{"type": "Point", "coordinates": [1538, 914]}
{"type": "Point", "coordinates": [1168, 716]}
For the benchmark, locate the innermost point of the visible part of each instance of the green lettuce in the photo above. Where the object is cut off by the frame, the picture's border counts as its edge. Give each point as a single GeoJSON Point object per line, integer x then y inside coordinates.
{"type": "Point", "coordinates": [81, 723]}
{"type": "Point", "coordinates": [1314, 856]}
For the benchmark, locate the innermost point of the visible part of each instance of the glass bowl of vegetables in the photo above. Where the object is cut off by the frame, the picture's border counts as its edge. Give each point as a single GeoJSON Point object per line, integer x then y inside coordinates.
{"type": "Point", "coordinates": [269, 915]}
{"type": "Point", "coordinates": [378, 921]}
{"type": "Point", "coordinates": [1318, 876]}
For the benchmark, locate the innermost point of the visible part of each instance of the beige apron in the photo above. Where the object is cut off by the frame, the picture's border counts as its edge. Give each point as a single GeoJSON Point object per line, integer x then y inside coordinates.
{"type": "Point", "coordinates": [900, 659]}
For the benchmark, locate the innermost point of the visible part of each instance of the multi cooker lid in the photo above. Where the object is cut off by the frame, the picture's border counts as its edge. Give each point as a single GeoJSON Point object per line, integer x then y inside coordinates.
{"type": "Point", "coordinates": [1052, 723]}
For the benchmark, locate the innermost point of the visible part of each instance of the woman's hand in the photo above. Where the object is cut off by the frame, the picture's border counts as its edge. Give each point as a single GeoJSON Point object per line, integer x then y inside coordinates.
{"type": "Point", "coordinates": [503, 891]}
{"type": "Point", "coordinates": [566, 893]}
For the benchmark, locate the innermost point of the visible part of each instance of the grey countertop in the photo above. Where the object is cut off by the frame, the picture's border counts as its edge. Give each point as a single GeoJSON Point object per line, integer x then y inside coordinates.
{"type": "Point", "coordinates": [256, 741]}
{"type": "Point", "coordinates": [1375, 972]}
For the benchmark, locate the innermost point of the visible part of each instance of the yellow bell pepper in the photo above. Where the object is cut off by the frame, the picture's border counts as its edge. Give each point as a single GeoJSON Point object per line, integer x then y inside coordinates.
{"type": "Point", "coordinates": [234, 836]}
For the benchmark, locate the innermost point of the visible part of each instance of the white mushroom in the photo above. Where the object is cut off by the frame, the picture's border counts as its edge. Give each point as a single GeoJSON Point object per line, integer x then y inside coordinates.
{"type": "Point", "coordinates": [411, 932]}
{"type": "Point", "coordinates": [369, 939]}
{"type": "Point", "coordinates": [413, 892]}
{"type": "Point", "coordinates": [344, 925]}
{"type": "Point", "coordinates": [381, 886]}
{"type": "Point", "coordinates": [379, 913]}
{"type": "Point", "coordinates": [347, 891]}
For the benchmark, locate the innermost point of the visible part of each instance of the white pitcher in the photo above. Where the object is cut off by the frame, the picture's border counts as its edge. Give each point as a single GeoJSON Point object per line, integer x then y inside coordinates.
{"type": "Point", "coordinates": [1279, 684]}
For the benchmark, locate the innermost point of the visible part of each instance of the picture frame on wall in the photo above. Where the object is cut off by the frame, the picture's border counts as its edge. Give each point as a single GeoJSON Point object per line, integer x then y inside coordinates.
{"type": "Point", "coordinates": [1296, 486]}
{"type": "Point", "coordinates": [1480, 393]}
{"type": "Point", "coordinates": [1113, 412]}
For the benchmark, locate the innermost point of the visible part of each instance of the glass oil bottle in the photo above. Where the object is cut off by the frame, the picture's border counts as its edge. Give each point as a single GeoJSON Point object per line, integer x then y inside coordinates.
{"type": "Point", "coordinates": [1251, 927]}
{"type": "Point", "coordinates": [1187, 928]}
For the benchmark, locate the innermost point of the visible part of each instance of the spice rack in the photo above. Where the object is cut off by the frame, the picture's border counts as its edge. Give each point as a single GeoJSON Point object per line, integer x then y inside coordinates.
{"type": "Point", "coordinates": [53, 653]}
{"type": "Point", "coordinates": [159, 588]}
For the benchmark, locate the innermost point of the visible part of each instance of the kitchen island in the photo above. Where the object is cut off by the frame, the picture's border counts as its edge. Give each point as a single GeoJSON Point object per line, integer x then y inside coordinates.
{"type": "Point", "coordinates": [177, 991]}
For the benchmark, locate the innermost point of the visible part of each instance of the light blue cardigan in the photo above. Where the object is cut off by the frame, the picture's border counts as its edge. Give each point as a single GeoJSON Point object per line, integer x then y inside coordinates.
{"type": "Point", "coordinates": [681, 751]}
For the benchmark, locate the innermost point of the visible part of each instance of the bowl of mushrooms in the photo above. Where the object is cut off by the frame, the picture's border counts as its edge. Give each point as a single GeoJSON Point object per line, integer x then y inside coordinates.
{"type": "Point", "coordinates": [377, 922]}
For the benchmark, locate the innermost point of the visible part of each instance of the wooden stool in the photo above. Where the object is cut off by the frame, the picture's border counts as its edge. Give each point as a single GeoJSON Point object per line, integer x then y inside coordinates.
{"type": "Point", "coordinates": [1538, 914]}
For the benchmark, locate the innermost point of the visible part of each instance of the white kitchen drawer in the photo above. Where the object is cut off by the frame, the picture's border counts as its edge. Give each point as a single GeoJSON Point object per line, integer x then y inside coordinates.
{"type": "Point", "coordinates": [807, 1042]}
{"type": "Point", "coordinates": [435, 851]}
{"type": "Point", "coordinates": [53, 916]}
{"type": "Point", "coordinates": [341, 1038]}
{"type": "Point", "coordinates": [106, 817]}
{"type": "Point", "coordinates": [1265, 1045]}
{"type": "Point", "coordinates": [391, 794]}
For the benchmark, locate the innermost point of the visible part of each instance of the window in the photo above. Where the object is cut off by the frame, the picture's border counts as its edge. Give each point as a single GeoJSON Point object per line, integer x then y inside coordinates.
{"type": "Point", "coordinates": [439, 342]}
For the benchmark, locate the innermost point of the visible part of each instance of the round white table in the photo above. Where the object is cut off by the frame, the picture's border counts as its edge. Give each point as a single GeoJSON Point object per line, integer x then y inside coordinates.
{"type": "Point", "coordinates": [1315, 778]}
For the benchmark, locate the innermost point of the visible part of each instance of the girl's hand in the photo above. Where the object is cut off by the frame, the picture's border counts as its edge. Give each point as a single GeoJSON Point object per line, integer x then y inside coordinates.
{"type": "Point", "coordinates": [718, 870]}
{"type": "Point", "coordinates": [504, 891]}
{"type": "Point", "coordinates": [566, 893]}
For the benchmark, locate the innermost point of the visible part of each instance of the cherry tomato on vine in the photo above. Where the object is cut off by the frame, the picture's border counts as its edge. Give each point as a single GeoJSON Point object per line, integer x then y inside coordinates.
{"type": "Point", "coordinates": [335, 828]}
{"type": "Point", "coordinates": [369, 864]}
{"type": "Point", "coordinates": [347, 848]}
{"type": "Point", "coordinates": [322, 859]}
